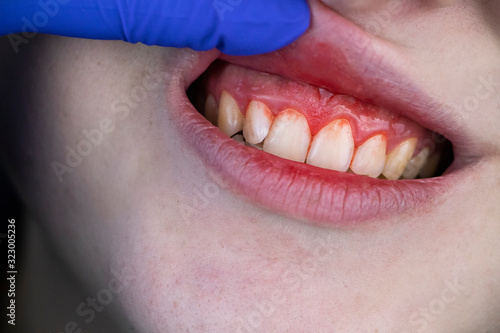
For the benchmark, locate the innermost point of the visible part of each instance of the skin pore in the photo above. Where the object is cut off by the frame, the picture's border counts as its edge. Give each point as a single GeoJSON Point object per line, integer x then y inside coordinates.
{"type": "Point", "coordinates": [143, 209]}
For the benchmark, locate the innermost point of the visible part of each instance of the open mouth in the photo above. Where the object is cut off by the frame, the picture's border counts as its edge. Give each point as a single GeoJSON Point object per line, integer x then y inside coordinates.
{"type": "Point", "coordinates": [305, 152]}
{"type": "Point", "coordinates": [311, 125]}
{"type": "Point", "coordinates": [332, 137]}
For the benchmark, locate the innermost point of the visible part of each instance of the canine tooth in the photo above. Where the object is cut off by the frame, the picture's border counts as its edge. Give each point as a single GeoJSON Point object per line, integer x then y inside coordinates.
{"type": "Point", "coordinates": [416, 163]}
{"type": "Point", "coordinates": [369, 158]}
{"type": "Point", "coordinates": [333, 146]}
{"type": "Point", "coordinates": [258, 121]}
{"type": "Point", "coordinates": [230, 120]}
{"type": "Point", "coordinates": [396, 160]}
{"type": "Point", "coordinates": [211, 110]}
{"type": "Point", "coordinates": [429, 168]}
{"type": "Point", "coordinates": [289, 136]}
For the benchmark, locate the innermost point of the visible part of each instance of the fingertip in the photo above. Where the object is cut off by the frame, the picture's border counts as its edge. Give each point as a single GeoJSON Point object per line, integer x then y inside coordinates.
{"type": "Point", "coordinates": [263, 26]}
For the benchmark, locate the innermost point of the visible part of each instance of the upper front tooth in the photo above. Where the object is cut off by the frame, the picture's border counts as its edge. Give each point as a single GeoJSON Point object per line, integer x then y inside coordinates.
{"type": "Point", "coordinates": [396, 160]}
{"type": "Point", "coordinates": [416, 163]}
{"type": "Point", "coordinates": [369, 158]}
{"type": "Point", "coordinates": [333, 146]}
{"type": "Point", "coordinates": [230, 120]}
{"type": "Point", "coordinates": [289, 136]}
{"type": "Point", "coordinates": [258, 120]}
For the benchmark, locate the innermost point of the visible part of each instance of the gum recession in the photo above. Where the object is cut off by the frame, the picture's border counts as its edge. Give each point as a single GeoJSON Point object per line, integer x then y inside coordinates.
{"type": "Point", "coordinates": [319, 106]}
{"type": "Point", "coordinates": [312, 194]}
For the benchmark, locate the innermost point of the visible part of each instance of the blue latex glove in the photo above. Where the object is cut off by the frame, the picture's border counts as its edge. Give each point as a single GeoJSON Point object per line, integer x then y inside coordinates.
{"type": "Point", "coordinates": [236, 27]}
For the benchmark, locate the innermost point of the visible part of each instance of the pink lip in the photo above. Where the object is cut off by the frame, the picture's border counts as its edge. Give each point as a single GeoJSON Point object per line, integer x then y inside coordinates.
{"type": "Point", "coordinates": [346, 61]}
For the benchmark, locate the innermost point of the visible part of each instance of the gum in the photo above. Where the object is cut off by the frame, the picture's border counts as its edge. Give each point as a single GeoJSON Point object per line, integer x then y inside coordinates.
{"type": "Point", "coordinates": [318, 105]}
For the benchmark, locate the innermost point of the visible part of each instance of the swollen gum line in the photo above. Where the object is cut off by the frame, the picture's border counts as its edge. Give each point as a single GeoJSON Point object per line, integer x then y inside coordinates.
{"type": "Point", "coordinates": [319, 106]}
{"type": "Point", "coordinates": [414, 163]}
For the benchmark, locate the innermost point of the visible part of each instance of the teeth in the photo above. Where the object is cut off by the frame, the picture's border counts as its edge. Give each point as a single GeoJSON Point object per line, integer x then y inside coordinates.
{"type": "Point", "coordinates": [396, 161]}
{"type": "Point", "coordinates": [415, 164]}
{"type": "Point", "coordinates": [258, 146]}
{"type": "Point", "coordinates": [289, 136]}
{"type": "Point", "coordinates": [333, 146]}
{"type": "Point", "coordinates": [429, 168]}
{"type": "Point", "coordinates": [211, 111]}
{"type": "Point", "coordinates": [230, 120]}
{"type": "Point", "coordinates": [258, 120]}
{"type": "Point", "coordinates": [369, 158]}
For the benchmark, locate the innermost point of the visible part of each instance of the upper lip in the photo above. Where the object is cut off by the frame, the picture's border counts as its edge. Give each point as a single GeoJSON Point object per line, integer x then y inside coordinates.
{"type": "Point", "coordinates": [339, 56]}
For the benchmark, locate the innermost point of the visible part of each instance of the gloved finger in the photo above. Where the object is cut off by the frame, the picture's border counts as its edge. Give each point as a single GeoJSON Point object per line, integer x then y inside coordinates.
{"type": "Point", "coordinates": [236, 27]}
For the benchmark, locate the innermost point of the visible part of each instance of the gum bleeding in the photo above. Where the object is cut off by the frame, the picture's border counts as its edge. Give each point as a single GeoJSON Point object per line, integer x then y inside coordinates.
{"type": "Point", "coordinates": [345, 60]}
{"type": "Point", "coordinates": [319, 106]}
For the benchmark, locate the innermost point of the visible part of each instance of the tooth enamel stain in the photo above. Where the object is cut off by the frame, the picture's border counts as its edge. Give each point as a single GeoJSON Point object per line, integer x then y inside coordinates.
{"type": "Point", "coordinates": [258, 121]}
{"type": "Point", "coordinates": [230, 119]}
{"type": "Point", "coordinates": [211, 110]}
{"type": "Point", "coordinates": [369, 158]}
{"type": "Point", "coordinates": [289, 136]}
{"type": "Point", "coordinates": [396, 160]}
{"type": "Point", "coordinates": [333, 146]}
{"type": "Point", "coordinates": [416, 163]}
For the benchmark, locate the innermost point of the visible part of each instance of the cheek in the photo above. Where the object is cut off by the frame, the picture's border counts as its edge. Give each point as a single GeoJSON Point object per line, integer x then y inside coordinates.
{"type": "Point", "coordinates": [201, 272]}
{"type": "Point", "coordinates": [79, 124]}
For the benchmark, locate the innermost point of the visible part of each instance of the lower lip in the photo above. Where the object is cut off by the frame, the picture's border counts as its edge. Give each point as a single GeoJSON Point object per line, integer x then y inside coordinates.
{"type": "Point", "coordinates": [313, 195]}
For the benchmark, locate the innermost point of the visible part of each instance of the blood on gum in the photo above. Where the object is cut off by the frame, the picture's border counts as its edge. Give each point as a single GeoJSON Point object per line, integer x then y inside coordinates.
{"type": "Point", "coordinates": [320, 107]}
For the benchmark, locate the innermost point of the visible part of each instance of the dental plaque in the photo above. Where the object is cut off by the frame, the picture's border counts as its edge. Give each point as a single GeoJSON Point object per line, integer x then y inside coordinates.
{"type": "Point", "coordinates": [308, 124]}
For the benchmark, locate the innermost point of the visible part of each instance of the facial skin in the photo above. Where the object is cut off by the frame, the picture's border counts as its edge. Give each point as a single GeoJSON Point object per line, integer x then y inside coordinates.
{"type": "Point", "coordinates": [230, 265]}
